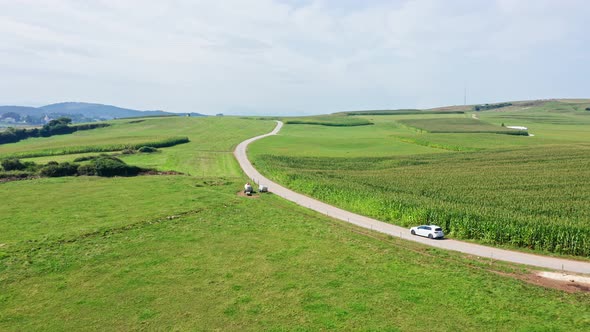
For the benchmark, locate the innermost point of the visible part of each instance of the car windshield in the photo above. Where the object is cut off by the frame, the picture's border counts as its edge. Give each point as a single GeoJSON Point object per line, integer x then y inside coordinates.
{"type": "Point", "coordinates": [438, 229]}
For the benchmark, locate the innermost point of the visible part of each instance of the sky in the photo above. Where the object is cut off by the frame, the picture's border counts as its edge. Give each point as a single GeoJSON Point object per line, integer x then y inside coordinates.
{"type": "Point", "coordinates": [289, 57]}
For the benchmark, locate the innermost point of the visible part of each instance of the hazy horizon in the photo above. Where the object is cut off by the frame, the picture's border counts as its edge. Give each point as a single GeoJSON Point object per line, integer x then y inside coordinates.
{"type": "Point", "coordinates": [292, 57]}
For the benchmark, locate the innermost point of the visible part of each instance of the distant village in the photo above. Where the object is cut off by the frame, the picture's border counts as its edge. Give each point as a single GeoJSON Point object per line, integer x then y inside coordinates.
{"type": "Point", "coordinates": [10, 119]}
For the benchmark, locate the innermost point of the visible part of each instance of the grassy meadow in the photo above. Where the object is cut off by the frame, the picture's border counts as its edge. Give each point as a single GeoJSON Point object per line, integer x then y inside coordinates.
{"type": "Point", "coordinates": [453, 125]}
{"type": "Point", "coordinates": [521, 191]}
{"type": "Point", "coordinates": [72, 215]}
{"type": "Point", "coordinates": [209, 151]}
{"type": "Point", "coordinates": [185, 252]}
{"type": "Point", "coordinates": [234, 263]}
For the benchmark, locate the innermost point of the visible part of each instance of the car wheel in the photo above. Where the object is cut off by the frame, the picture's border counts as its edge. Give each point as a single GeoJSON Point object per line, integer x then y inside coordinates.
{"type": "Point", "coordinates": [430, 236]}
{"type": "Point", "coordinates": [413, 232]}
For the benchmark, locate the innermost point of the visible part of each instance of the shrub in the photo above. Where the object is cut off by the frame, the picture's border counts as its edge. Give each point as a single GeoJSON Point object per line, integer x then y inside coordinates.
{"type": "Point", "coordinates": [63, 169]}
{"type": "Point", "coordinates": [587, 108]}
{"type": "Point", "coordinates": [147, 149]}
{"type": "Point", "coordinates": [12, 164]}
{"type": "Point", "coordinates": [12, 135]}
{"type": "Point", "coordinates": [112, 166]}
{"type": "Point", "coordinates": [87, 169]}
{"type": "Point", "coordinates": [52, 163]}
{"type": "Point", "coordinates": [31, 166]}
{"type": "Point", "coordinates": [90, 126]}
{"type": "Point", "coordinates": [486, 107]}
{"type": "Point", "coordinates": [128, 151]}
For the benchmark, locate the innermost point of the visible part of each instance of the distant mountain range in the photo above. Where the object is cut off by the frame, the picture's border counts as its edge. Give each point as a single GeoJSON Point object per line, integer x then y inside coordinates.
{"type": "Point", "coordinates": [79, 112]}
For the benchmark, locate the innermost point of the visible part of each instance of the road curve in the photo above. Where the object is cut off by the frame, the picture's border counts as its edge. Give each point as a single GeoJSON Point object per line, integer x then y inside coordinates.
{"type": "Point", "coordinates": [379, 226]}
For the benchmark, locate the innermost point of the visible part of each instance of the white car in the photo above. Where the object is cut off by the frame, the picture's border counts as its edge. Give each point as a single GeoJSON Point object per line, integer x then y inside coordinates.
{"type": "Point", "coordinates": [429, 231]}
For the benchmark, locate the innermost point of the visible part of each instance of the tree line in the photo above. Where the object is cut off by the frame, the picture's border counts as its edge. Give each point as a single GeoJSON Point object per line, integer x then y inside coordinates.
{"type": "Point", "coordinates": [60, 126]}
{"type": "Point", "coordinates": [486, 107]}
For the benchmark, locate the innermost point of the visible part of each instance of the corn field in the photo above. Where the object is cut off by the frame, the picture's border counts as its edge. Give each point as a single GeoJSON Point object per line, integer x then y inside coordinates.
{"type": "Point", "coordinates": [531, 198]}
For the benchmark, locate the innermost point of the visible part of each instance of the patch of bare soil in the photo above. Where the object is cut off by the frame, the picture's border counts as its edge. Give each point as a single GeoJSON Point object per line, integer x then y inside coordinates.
{"type": "Point", "coordinates": [570, 285]}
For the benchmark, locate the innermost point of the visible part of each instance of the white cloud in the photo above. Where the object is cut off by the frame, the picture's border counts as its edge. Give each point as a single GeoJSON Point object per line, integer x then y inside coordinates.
{"type": "Point", "coordinates": [288, 56]}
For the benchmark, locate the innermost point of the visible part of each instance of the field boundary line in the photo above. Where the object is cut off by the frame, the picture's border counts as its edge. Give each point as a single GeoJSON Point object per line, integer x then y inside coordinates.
{"type": "Point", "coordinates": [539, 261]}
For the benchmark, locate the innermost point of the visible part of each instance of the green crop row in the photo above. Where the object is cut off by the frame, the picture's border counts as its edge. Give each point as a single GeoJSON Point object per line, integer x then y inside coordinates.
{"type": "Point", "coordinates": [533, 198]}
{"type": "Point", "coordinates": [161, 143]}
{"type": "Point", "coordinates": [335, 121]}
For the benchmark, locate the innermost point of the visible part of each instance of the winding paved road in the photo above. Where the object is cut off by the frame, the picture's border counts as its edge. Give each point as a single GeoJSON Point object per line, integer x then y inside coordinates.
{"type": "Point", "coordinates": [379, 226]}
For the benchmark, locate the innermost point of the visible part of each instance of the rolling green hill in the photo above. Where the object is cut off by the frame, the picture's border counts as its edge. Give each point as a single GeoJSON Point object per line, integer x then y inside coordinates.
{"type": "Point", "coordinates": [186, 252]}
{"type": "Point", "coordinates": [78, 111]}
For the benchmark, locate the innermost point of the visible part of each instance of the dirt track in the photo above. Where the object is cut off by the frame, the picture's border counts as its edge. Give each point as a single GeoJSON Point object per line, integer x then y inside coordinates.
{"type": "Point", "coordinates": [379, 226]}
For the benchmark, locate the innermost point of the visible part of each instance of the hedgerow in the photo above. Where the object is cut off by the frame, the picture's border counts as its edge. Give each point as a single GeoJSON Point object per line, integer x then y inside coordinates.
{"type": "Point", "coordinates": [102, 165]}
{"type": "Point", "coordinates": [58, 170]}
{"type": "Point", "coordinates": [147, 149]}
{"type": "Point", "coordinates": [54, 127]}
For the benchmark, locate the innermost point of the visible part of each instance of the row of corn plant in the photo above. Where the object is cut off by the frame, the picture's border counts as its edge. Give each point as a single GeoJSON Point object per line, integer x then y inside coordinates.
{"type": "Point", "coordinates": [535, 198]}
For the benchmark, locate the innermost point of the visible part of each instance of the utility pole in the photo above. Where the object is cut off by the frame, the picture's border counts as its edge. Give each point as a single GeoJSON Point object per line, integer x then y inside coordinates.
{"type": "Point", "coordinates": [465, 96]}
